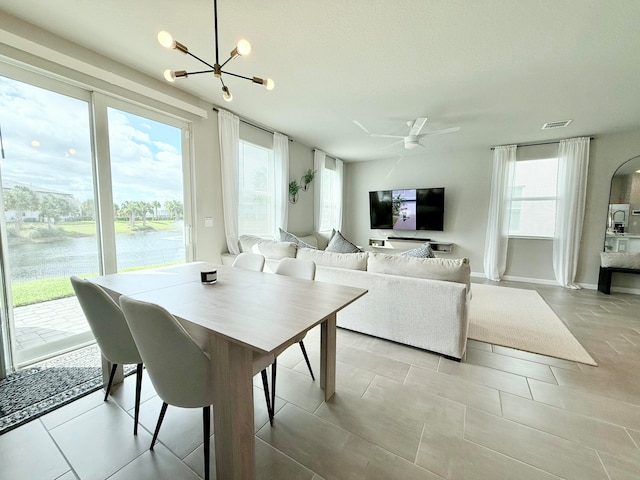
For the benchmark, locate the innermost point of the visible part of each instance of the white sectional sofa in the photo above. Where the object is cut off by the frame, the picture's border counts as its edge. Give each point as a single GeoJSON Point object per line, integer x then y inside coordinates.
{"type": "Point", "coordinates": [422, 302]}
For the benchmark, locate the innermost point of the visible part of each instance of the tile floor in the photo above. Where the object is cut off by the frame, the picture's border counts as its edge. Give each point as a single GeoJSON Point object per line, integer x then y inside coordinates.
{"type": "Point", "coordinates": [399, 413]}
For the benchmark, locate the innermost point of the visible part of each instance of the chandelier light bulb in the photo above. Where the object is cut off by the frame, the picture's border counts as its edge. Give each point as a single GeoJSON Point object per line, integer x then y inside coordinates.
{"type": "Point", "coordinates": [169, 76]}
{"type": "Point", "coordinates": [269, 84]}
{"type": "Point", "coordinates": [166, 40]}
{"type": "Point", "coordinates": [243, 47]}
{"type": "Point", "coordinates": [226, 94]}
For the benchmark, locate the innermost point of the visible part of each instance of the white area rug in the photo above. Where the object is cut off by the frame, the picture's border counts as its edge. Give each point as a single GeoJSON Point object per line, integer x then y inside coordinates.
{"type": "Point", "coordinates": [521, 319]}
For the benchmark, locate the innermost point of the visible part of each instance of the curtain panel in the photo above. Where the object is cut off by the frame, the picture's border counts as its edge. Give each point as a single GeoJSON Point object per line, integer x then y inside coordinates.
{"type": "Point", "coordinates": [281, 181]}
{"type": "Point", "coordinates": [229, 135]}
{"type": "Point", "coordinates": [573, 166]}
{"type": "Point", "coordinates": [319, 159]}
{"type": "Point", "coordinates": [497, 237]}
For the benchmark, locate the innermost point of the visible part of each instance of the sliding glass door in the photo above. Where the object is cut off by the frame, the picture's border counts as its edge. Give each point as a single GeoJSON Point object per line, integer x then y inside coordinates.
{"type": "Point", "coordinates": [90, 185]}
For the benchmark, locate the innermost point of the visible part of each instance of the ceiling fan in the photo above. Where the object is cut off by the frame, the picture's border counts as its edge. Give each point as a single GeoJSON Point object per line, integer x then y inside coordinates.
{"type": "Point", "coordinates": [412, 140]}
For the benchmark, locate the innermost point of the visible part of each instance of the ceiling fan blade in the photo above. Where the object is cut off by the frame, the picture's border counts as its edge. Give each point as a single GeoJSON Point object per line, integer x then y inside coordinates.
{"type": "Point", "coordinates": [362, 127]}
{"type": "Point", "coordinates": [386, 136]}
{"type": "Point", "coordinates": [418, 125]}
{"type": "Point", "coordinates": [393, 143]}
{"type": "Point", "coordinates": [439, 132]}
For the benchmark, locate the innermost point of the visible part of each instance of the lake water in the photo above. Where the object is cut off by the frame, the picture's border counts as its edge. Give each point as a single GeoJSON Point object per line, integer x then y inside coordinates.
{"type": "Point", "coordinates": [78, 256]}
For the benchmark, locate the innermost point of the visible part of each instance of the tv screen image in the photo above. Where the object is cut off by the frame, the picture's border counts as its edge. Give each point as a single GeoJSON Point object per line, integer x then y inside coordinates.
{"type": "Point", "coordinates": [407, 209]}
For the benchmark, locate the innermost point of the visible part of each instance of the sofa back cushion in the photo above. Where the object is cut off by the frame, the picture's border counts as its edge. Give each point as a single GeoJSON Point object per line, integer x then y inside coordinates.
{"type": "Point", "coordinates": [271, 249]}
{"type": "Point", "coordinates": [309, 241]}
{"type": "Point", "coordinates": [351, 261]}
{"type": "Point", "coordinates": [449, 270]}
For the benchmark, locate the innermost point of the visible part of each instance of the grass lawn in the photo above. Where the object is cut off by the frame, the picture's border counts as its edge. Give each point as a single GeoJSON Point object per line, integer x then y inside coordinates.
{"type": "Point", "coordinates": [89, 227]}
{"type": "Point", "coordinates": [37, 291]}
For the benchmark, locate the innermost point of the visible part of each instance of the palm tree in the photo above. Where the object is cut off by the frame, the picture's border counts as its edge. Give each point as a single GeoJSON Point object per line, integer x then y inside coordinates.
{"type": "Point", "coordinates": [127, 209]}
{"type": "Point", "coordinates": [156, 205]}
{"type": "Point", "coordinates": [20, 199]}
{"type": "Point", "coordinates": [52, 207]}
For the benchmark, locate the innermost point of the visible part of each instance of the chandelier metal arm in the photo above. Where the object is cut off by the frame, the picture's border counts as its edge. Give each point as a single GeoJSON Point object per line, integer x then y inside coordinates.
{"type": "Point", "coordinates": [215, 27]}
{"type": "Point", "coordinates": [198, 72]}
{"type": "Point", "coordinates": [212, 67]}
{"type": "Point", "coordinates": [236, 75]}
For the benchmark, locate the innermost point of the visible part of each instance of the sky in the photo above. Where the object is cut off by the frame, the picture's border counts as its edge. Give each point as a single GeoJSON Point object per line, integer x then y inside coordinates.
{"type": "Point", "coordinates": [46, 138]}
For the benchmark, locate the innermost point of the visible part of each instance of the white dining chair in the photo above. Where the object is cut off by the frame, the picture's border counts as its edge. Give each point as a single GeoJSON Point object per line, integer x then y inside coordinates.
{"type": "Point", "coordinates": [111, 332]}
{"type": "Point", "coordinates": [306, 270]}
{"type": "Point", "coordinates": [249, 261]}
{"type": "Point", "coordinates": [179, 369]}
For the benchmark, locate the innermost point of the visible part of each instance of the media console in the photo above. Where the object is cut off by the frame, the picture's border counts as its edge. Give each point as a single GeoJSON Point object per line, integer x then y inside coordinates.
{"type": "Point", "coordinates": [440, 247]}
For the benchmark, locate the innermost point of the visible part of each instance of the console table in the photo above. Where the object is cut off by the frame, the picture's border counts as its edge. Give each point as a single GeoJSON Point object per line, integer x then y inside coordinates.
{"type": "Point", "coordinates": [384, 243]}
{"type": "Point", "coordinates": [604, 278]}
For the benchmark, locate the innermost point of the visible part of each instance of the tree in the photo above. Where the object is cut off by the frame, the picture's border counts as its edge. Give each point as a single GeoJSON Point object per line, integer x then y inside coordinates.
{"type": "Point", "coordinates": [52, 207]}
{"type": "Point", "coordinates": [127, 209]}
{"type": "Point", "coordinates": [20, 199]}
{"type": "Point", "coordinates": [175, 208]}
{"type": "Point", "coordinates": [156, 205]}
{"type": "Point", "coordinates": [87, 208]}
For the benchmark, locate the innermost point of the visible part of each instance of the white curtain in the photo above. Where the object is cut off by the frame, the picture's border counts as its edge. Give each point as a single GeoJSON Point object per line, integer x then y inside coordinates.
{"type": "Point", "coordinates": [229, 135]}
{"type": "Point", "coordinates": [319, 159]}
{"type": "Point", "coordinates": [573, 165]}
{"type": "Point", "coordinates": [497, 239]}
{"type": "Point", "coordinates": [340, 189]}
{"type": "Point", "coordinates": [281, 180]}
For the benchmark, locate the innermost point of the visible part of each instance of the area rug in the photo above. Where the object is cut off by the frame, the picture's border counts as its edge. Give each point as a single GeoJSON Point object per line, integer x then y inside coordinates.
{"type": "Point", "coordinates": [34, 391]}
{"type": "Point", "coordinates": [521, 319]}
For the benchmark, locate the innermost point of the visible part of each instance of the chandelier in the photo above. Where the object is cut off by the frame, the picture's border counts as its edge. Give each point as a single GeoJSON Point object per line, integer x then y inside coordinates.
{"type": "Point", "coordinates": [242, 48]}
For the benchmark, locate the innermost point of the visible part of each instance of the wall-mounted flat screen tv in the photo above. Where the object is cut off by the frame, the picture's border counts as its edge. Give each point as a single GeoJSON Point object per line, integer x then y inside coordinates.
{"type": "Point", "coordinates": [407, 209]}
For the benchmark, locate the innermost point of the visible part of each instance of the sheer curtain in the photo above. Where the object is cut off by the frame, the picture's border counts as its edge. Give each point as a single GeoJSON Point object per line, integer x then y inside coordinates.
{"type": "Point", "coordinates": [497, 239]}
{"type": "Point", "coordinates": [340, 193]}
{"type": "Point", "coordinates": [319, 159]}
{"type": "Point", "coordinates": [229, 135]}
{"type": "Point", "coordinates": [281, 180]}
{"type": "Point", "coordinates": [573, 165]}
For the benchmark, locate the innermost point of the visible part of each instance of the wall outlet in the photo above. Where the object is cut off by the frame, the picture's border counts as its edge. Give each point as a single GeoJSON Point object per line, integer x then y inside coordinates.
{"type": "Point", "coordinates": [208, 221]}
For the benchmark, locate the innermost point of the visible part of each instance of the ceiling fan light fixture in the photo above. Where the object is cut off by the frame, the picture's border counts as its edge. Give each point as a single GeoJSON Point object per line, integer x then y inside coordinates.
{"type": "Point", "coordinates": [242, 48]}
{"type": "Point", "coordinates": [411, 144]}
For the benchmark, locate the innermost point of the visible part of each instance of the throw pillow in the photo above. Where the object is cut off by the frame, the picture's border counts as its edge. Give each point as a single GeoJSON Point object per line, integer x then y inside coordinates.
{"type": "Point", "coordinates": [350, 261]}
{"type": "Point", "coordinates": [290, 237]}
{"type": "Point", "coordinates": [339, 244]}
{"type": "Point", "coordinates": [271, 249]}
{"type": "Point", "coordinates": [423, 251]}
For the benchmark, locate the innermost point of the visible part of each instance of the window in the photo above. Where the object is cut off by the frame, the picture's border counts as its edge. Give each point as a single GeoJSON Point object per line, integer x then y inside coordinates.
{"type": "Point", "coordinates": [533, 206]}
{"type": "Point", "coordinates": [256, 191]}
{"type": "Point", "coordinates": [330, 199]}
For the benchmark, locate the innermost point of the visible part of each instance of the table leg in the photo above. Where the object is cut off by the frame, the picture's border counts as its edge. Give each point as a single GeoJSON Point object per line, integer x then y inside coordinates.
{"type": "Point", "coordinates": [232, 367]}
{"type": "Point", "coordinates": [328, 356]}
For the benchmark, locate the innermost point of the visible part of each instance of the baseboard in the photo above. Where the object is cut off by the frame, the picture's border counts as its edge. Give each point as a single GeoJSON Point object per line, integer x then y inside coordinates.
{"type": "Point", "coordinates": [511, 278]}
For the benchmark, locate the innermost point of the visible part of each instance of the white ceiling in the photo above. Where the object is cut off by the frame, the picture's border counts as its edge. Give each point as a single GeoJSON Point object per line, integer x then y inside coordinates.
{"type": "Point", "coordinates": [499, 69]}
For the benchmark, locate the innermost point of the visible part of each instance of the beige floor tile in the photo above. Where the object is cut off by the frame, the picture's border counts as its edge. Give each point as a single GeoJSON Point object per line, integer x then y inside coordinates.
{"type": "Point", "coordinates": [620, 469]}
{"type": "Point", "coordinates": [328, 450]}
{"type": "Point", "coordinates": [402, 353]}
{"type": "Point", "coordinates": [585, 403]}
{"type": "Point", "coordinates": [534, 447]}
{"type": "Point", "coordinates": [454, 458]}
{"type": "Point", "coordinates": [297, 388]}
{"type": "Point", "coordinates": [489, 377]}
{"type": "Point", "coordinates": [577, 428]}
{"type": "Point", "coordinates": [73, 409]}
{"type": "Point", "coordinates": [352, 380]}
{"type": "Point", "coordinates": [478, 345]}
{"type": "Point", "coordinates": [534, 357]}
{"type": "Point", "coordinates": [509, 364]}
{"type": "Point", "coordinates": [385, 466]}
{"type": "Point", "coordinates": [618, 388]}
{"type": "Point", "coordinates": [417, 402]}
{"type": "Point", "coordinates": [635, 435]}
{"type": "Point", "coordinates": [159, 464]}
{"type": "Point", "coordinates": [381, 424]}
{"type": "Point", "coordinates": [456, 389]}
{"type": "Point", "coordinates": [372, 362]}
{"type": "Point", "coordinates": [29, 453]}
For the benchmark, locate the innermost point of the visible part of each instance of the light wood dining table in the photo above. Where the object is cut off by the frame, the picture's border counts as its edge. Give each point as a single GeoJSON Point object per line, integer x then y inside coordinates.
{"type": "Point", "coordinates": [244, 312]}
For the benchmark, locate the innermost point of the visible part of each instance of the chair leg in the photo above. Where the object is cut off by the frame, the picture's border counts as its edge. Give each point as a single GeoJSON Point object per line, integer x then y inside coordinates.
{"type": "Point", "coordinates": [163, 410]}
{"type": "Point", "coordinates": [138, 391]}
{"type": "Point", "coordinates": [113, 374]}
{"type": "Point", "coordinates": [274, 366]}
{"type": "Point", "coordinates": [306, 358]}
{"type": "Point", "coordinates": [265, 385]}
{"type": "Point", "coordinates": [206, 426]}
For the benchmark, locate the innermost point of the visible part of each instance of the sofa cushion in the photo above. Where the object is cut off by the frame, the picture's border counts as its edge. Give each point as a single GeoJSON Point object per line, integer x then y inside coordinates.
{"type": "Point", "coordinates": [423, 251]}
{"type": "Point", "coordinates": [339, 244]}
{"type": "Point", "coordinates": [450, 270]}
{"type": "Point", "coordinates": [290, 237]}
{"type": "Point", "coordinates": [271, 249]}
{"type": "Point", "coordinates": [351, 261]}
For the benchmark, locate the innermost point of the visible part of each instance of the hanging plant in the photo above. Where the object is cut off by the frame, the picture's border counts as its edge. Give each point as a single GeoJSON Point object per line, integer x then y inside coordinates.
{"type": "Point", "coordinates": [307, 178]}
{"type": "Point", "coordinates": [294, 188]}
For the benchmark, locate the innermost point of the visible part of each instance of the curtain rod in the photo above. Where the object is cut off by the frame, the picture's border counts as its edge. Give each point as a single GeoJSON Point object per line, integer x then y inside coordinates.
{"type": "Point", "coordinates": [255, 125]}
{"type": "Point", "coordinates": [535, 144]}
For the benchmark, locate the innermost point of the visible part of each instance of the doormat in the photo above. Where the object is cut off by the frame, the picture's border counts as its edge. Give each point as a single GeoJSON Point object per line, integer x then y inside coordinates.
{"type": "Point", "coordinates": [37, 390]}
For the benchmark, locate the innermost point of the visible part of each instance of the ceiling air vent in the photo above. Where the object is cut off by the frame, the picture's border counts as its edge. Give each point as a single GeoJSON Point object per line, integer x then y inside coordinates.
{"type": "Point", "coordinates": [550, 125]}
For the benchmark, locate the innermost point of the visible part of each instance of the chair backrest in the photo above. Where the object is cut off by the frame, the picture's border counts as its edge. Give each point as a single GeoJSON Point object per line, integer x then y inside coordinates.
{"type": "Point", "coordinates": [298, 268]}
{"type": "Point", "coordinates": [107, 322]}
{"type": "Point", "coordinates": [179, 370]}
{"type": "Point", "coordinates": [249, 261]}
